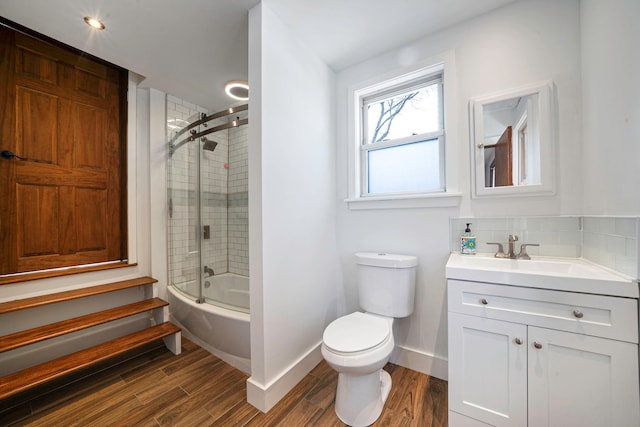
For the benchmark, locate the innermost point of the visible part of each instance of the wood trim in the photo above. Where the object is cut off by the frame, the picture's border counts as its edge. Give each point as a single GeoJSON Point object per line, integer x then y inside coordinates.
{"type": "Point", "coordinates": [20, 381]}
{"type": "Point", "coordinates": [45, 274]}
{"type": "Point", "coordinates": [124, 159]}
{"type": "Point", "coordinates": [22, 304]}
{"type": "Point", "coordinates": [11, 404]}
{"type": "Point", "coordinates": [52, 330]}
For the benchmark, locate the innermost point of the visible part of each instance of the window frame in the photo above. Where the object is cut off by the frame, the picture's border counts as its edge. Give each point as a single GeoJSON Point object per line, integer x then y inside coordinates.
{"type": "Point", "coordinates": [366, 147]}
{"type": "Point", "coordinates": [385, 84]}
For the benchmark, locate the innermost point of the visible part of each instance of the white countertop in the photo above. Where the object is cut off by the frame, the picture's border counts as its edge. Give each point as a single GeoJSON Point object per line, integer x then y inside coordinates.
{"type": "Point", "coordinates": [565, 274]}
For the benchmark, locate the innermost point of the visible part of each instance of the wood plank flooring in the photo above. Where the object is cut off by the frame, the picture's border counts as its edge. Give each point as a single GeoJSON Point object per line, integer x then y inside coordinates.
{"type": "Point", "coordinates": [198, 389]}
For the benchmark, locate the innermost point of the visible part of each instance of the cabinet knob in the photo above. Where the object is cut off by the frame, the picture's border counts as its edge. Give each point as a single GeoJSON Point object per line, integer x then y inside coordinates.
{"type": "Point", "coordinates": [537, 345]}
{"type": "Point", "coordinates": [518, 341]}
{"type": "Point", "coordinates": [484, 301]}
{"type": "Point", "coordinates": [578, 314]}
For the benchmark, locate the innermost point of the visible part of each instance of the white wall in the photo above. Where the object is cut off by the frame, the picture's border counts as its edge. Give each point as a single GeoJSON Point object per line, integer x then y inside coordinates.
{"type": "Point", "coordinates": [293, 262]}
{"type": "Point", "coordinates": [521, 43]}
{"type": "Point", "coordinates": [611, 106]}
{"type": "Point", "coordinates": [157, 198]}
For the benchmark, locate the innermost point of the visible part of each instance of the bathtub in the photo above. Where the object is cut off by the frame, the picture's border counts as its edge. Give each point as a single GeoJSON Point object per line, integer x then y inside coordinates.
{"type": "Point", "coordinates": [223, 328]}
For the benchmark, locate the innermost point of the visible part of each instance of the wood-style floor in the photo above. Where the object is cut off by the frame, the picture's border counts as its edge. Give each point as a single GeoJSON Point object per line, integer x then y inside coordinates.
{"type": "Point", "coordinates": [198, 389]}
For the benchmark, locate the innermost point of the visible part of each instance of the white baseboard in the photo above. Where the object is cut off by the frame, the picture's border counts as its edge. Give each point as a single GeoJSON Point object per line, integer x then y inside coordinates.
{"type": "Point", "coordinates": [432, 365]}
{"type": "Point", "coordinates": [265, 396]}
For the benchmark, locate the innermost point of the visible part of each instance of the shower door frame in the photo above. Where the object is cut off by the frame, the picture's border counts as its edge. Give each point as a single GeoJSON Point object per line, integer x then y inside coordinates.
{"type": "Point", "coordinates": [196, 135]}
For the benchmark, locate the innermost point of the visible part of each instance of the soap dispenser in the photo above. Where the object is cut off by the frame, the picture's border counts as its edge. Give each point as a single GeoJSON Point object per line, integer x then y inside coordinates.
{"type": "Point", "coordinates": [468, 242]}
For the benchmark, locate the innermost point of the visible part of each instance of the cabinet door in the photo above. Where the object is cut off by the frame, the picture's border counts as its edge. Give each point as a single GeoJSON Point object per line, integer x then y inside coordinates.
{"type": "Point", "coordinates": [579, 380]}
{"type": "Point", "coordinates": [488, 370]}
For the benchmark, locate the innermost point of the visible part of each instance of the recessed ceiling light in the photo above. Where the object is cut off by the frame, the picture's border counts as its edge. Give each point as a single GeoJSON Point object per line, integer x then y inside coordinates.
{"type": "Point", "coordinates": [94, 23]}
{"type": "Point", "coordinates": [237, 90]}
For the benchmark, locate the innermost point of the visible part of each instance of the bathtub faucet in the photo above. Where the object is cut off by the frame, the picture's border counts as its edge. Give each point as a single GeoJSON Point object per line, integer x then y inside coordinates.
{"type": "Point", "coordinates": [208, 271]}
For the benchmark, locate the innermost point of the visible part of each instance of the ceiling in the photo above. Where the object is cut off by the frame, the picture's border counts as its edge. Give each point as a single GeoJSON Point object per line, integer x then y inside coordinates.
{"type": "Point", "coordinates": [191, 48]}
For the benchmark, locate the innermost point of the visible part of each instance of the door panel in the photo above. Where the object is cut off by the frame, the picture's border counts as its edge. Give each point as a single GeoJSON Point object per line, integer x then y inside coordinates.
{"type": "Point", "coordinates": [581, 381]}
{"type": "Point", "coordinates": [35, 65]}
{"type": "Point", "coordinates": [90, 125]}
{"type": "Point", "coordinates": [38, 220]}
{"type": "Point", "coordinates": [503, 159]}
{"type": "Point", "coordinates": [37, 125]}
{"type": "Point", "coordinates": [91, 202]}
{"type": "Point", "coordinates": [63, 204]}
{"type": "Point", "coordinates": [487, 370]}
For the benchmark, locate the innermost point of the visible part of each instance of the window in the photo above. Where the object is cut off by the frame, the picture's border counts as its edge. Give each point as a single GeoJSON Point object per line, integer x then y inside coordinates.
{"type": "Point", "coordinates": [402, 147]}
{"type": "Point", "coordinates": [402, 137]}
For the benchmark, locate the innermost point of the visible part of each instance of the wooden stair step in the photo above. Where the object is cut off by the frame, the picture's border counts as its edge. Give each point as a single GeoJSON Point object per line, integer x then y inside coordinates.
{"type": "Point", "coordinates": [21, 304]}
{"type": "Point", "coordinates": [20, 381]}
{"type": "Point", "coordinates": [41, 333]}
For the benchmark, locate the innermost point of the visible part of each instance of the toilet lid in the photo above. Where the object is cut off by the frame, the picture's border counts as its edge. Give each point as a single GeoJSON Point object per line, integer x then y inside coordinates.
{"type": "Point", "coordinates": [356, 332]}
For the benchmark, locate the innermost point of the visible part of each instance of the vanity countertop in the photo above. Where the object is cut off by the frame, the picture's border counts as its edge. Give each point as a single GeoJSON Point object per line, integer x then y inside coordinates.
{"type": "Point", "coordinates": [565, 274]}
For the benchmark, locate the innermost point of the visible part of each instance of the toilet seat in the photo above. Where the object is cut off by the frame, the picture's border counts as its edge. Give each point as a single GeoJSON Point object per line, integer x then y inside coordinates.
{"type": "Point", "coordinates": [355, 333]}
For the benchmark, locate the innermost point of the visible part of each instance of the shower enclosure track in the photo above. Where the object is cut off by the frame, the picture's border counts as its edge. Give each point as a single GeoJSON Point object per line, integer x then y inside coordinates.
{"type": "Point", "coordinates": [205, 119]}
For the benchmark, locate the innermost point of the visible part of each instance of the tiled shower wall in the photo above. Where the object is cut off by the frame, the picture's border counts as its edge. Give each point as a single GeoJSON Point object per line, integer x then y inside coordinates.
{"type": "Point", "coordinates": [213, 193]}
{"type": "Point", "coordinates": [608, 241]}
{"type": "Point", "coordinates": [223, 198]}
{"type": "Point", "coordinates": [238, 191]}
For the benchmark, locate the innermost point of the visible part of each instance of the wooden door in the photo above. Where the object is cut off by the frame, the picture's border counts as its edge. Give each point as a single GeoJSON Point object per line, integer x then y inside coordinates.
{"type": "Point", "coordinates": [61, 111]}
{"type": "Point", "coordinates": [504, 165]}
{"type": "Point", "coordinates": [581, 381]}
{"type": "Point", "coordinates": [488, 370]}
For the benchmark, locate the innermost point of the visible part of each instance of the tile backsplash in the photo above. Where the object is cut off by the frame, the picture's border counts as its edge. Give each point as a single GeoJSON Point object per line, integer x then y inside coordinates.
{"type": "Point", "coordinates": [609, 241]}
{"type": "Point", "coordinates": [612, 242]}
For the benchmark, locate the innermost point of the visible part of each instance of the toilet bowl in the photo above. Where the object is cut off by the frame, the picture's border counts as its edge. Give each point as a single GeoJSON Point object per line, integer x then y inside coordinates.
{"type": "Point", "coordinates": [358, 346]}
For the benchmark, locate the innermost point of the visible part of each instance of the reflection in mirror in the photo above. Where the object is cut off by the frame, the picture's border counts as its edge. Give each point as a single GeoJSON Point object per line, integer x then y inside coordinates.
{"type": "Point", "coordinates": [512, 141]}
{"type": "Point", "coordinates": [511, 151]}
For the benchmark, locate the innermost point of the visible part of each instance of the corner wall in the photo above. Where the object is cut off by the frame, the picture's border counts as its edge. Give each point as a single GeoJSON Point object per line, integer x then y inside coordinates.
{"type": "Point", "coordinates": [610, 42]}
{"type": "Point", "coordinates": [292, 247]}
{"type": "Point", "coordinates": [520, 43]}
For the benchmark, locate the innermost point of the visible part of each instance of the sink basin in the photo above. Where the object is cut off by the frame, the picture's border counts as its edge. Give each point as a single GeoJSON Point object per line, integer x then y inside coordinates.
{"type": "Point", "coordinates": [568, 274]}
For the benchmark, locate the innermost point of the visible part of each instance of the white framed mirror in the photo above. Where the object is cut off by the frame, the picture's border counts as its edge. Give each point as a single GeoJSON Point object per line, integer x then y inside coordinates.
{"type": "Point", "coordinates": [512, 147]}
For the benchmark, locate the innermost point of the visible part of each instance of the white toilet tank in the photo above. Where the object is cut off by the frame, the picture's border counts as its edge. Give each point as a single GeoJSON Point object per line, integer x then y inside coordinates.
{"type": "Point", "coordinates": [386, 283]}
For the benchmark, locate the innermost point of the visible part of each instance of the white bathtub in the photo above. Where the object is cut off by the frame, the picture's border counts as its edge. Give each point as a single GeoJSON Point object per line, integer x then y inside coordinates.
{"type": "Point", "coordinates": [222, 329]}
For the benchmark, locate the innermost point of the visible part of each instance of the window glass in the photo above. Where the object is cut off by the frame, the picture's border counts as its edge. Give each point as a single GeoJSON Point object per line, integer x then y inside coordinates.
{"type": "Point", "coordinates": [403, 114]}
{"type": "Point", "coordinates": [405, 168]}
{"type": "Point", "coordinates": [402, 147]}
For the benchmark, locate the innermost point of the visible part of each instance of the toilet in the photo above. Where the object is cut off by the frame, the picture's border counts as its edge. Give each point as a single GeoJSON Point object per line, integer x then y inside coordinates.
{"type": "Point", "coordinates": [359, 344]}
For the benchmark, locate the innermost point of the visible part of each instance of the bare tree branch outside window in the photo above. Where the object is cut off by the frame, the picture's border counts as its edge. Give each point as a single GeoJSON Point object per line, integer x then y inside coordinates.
{"type": "Point", "coordinates": [389, 109]}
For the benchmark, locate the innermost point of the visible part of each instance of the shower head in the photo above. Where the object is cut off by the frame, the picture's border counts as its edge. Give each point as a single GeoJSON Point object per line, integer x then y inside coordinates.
{"type": "Point", "coordinates": [208, 144]}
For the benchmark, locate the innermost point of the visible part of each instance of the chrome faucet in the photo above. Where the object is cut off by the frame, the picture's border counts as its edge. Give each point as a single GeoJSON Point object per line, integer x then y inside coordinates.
{"type": "Point", "coordinates": [512, 246]}
{"type": "Point", "coordinates": [511, 253]}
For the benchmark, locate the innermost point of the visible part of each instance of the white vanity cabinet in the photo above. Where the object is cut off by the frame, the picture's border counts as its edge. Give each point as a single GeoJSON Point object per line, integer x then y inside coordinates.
{"type": "Point", "coordinates": [521, 356]}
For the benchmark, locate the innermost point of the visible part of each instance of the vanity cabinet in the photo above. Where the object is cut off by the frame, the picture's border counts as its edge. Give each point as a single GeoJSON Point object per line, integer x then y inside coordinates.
{"type": "Point", "coordinates": [535, 357]}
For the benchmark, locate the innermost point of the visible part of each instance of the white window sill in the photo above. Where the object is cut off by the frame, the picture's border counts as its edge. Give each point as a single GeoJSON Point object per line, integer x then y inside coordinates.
{"type": "Point", "coordinates": [435, 200]}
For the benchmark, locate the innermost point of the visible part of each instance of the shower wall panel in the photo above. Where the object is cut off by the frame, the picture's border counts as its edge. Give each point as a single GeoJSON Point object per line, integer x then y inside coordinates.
{"type": "Point", "coordinates": [238, 201]}
{"type": "Point", "coordinates": [182, 193]}
{"type": "Point", "coordinates": [223, 197]}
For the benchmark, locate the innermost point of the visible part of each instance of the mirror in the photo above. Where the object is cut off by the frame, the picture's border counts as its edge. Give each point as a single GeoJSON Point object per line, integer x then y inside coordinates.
{"type": "Point", "coordinates": [512, 141]}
